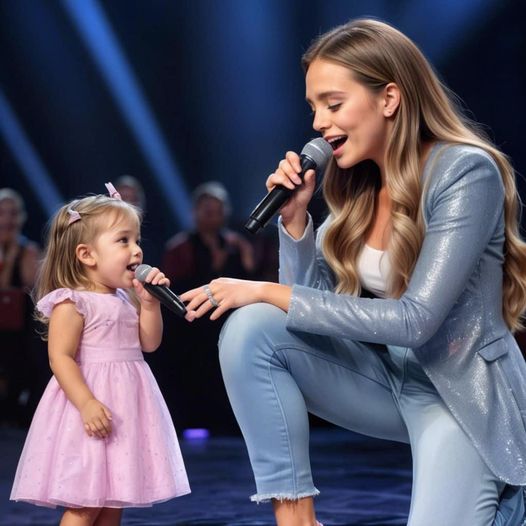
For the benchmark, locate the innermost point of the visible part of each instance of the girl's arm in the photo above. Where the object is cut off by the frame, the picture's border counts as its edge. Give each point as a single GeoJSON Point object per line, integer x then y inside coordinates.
{"type": "Point", "coordinates": [150, 325]}
{"type": "Point", "coordinates": [150, 318]}
{"type": "Point", "coordinates": [65, 330]}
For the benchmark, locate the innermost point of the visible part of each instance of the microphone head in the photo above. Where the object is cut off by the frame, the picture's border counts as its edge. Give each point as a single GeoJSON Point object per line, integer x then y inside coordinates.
{"type": "Point", "coordinates": [142, 271]}
{"type": "Point", "coordinates": [319, 151]}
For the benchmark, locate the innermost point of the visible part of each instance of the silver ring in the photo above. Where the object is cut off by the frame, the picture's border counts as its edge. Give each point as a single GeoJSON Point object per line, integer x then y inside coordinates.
{"type": "Point", "coordinates": [211, 298]}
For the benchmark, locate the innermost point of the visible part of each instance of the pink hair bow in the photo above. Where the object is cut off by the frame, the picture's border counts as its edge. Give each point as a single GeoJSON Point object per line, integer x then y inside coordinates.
{"type": "Point", "coordinates": [73, 216]}
{"type": "Point", "coordinates": [113, 193]}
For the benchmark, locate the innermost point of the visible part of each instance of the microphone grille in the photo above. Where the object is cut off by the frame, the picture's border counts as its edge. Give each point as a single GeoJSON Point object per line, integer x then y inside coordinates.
{"type": "Point", "coordinates": [142, 271]}
{"type": "Point", "coordinates": [320, 151]}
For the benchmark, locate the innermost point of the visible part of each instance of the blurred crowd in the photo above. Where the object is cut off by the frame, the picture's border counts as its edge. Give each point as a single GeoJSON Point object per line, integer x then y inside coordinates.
{"type": "Point", "coordinates": [23, 357]}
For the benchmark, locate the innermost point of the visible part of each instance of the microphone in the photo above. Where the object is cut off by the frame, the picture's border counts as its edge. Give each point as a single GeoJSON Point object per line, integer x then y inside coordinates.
{"type": "Point", "coordinates": [160, 292]}
{"type": "Point", "coordinates": [315, 155]}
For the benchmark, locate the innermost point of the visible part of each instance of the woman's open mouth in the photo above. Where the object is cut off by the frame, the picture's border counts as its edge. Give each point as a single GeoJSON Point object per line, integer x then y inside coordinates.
{"type": "Point", "coordinates": [337, 142]}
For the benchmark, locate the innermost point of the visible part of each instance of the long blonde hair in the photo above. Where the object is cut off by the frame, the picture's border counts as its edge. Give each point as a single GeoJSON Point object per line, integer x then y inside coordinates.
{"type": "Point", "coordinates": [378, 54]}
{"type": "Point", "coordinates": [60, 267]}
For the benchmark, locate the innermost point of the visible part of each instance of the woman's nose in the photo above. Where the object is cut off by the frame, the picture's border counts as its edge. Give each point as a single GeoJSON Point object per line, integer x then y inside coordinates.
{"type": "Point", "coordinates": [320, 121]}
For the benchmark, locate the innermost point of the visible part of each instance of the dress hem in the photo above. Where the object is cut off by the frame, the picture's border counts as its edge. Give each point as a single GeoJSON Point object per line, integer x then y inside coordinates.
{"type": "Point", "coordinates": [53, 503]}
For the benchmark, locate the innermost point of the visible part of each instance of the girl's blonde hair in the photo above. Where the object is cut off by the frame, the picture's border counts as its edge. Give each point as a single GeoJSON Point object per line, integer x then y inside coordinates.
{"type": "Point", "coordinates": [60, 267]}
{"type": "Point", "coordinates": [378, 54]}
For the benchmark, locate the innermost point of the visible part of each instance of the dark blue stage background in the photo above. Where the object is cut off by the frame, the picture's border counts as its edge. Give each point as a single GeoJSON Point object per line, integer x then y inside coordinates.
{"type": "Point", "coordinates": [176, 93]}
{"type": "Point", "coordinates": [179, 92]}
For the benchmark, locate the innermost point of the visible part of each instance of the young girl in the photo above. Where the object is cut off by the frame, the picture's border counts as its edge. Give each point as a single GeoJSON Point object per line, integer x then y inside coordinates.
{"type": "Point", "coordinates": [101, 438]}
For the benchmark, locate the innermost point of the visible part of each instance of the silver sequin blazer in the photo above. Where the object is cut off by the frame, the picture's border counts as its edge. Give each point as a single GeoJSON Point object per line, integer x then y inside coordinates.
{"type": "Point", "coordinates": [451, 312]}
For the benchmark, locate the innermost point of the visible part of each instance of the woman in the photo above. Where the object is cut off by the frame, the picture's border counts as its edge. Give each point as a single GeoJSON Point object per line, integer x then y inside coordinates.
{"type": "Point", "coordinates": [423, 215]}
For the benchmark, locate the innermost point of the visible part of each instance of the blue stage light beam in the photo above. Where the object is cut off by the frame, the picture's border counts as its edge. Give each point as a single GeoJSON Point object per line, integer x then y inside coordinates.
{"type": "Point", "coordinates": [439, 28]}
{"type": "Point", "coordinates": [452, 22]}
{"type": "Point", "coordinates": [91, 23]}
{"type": "Point", "coordinates": [28, 159]}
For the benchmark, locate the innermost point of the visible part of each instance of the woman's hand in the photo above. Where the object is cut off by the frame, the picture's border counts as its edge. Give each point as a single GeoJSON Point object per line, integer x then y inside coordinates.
{"type": "Point", "coordinates": [294, 212]}
{"type": "Point", "coordinates": [229, 293]}
{"type": "Point", "coordinates": [96, 418]}
{"type": "Point", "coordinates": [155, 277]}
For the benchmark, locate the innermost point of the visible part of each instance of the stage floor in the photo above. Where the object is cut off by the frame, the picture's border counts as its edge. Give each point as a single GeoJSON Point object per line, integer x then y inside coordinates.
{"type": "Point", "coordinates": [362, 481]}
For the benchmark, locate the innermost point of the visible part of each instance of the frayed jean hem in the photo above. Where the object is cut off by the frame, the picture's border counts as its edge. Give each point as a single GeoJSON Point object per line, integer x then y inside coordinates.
{"type": "Point", "coordinates": [267, 497]}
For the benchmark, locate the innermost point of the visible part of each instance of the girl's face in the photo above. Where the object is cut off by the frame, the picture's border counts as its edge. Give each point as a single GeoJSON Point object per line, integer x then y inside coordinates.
{"type": "Point", "coordinates": [347, 114]}
{"type": "Point", "coordinates": [116, 254]}
{"type": "Point", "coordinates": [10, 220]}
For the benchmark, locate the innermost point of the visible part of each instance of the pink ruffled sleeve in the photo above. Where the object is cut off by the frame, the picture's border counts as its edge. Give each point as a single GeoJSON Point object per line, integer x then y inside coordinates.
{"type": "Point", "coordinates": [48, 302]}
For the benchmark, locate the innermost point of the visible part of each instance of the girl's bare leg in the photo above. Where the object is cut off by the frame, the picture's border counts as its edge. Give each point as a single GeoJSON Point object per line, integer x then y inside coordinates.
{"type": "Point", "coordinates": [109, 517]}
{"type": "Point", "coordinates": [80, 517]}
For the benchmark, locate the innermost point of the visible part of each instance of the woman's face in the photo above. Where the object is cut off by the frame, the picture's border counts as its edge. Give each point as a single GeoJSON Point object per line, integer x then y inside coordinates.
{"type": "Point", "coordinates": [10, 220]}
{"type": "Point", "coordinates": [347, 114]}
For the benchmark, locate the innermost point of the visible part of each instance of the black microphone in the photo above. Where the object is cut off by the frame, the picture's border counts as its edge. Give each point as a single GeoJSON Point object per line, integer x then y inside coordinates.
{"type": "Point", "coordinates": [314, 156]}
{"type": "Point", "coordinates": [161, 292]}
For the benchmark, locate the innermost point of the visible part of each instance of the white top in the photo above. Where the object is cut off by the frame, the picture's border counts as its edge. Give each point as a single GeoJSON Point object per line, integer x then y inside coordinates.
{"type": "Point", "coordinates": [373, 269]}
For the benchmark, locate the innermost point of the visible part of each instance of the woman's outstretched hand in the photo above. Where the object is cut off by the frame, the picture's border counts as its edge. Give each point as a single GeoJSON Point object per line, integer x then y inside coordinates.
{"type": "Point", "coordinates": [227, 293]}
{"type": "Point", "coordinates": [223, 294]}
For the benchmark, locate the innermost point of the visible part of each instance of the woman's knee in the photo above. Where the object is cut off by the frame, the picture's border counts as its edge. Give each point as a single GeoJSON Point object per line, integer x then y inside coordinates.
{"type": "Point", "coordinates": [249, 333]}
{"type": "Point", "coordinates": [251, 322]}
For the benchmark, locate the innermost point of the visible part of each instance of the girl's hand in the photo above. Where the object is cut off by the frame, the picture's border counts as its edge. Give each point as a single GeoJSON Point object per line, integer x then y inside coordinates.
{"type": "Point", "coordinates": [287, 175]}
{"type": "Point", "coordinates": [155, 277]}
{"type": "Point", "coordinates": [96, 418]}
{"type": "Point", "coordinates": [228, 293]}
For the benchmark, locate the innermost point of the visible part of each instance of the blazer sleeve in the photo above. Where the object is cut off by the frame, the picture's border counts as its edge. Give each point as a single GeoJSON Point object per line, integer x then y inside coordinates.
{"type": "Point", "coordinates": [463, 205]}
{"type": "Point", "coordinates": [301, 260]}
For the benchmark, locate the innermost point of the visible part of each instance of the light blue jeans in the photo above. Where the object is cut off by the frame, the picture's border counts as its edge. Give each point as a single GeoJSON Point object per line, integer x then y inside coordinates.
{"type": "Point", "coordinates": [274, 377]}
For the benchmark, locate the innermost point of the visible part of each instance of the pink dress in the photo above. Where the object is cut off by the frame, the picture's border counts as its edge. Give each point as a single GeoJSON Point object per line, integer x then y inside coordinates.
{"type": "Point", "coordinates": [140, 463]}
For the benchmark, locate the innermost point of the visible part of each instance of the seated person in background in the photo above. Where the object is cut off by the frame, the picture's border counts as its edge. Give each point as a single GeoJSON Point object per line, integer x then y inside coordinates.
{"type": "Point", "coordinates": [211, 250]}
{"type": "Point", "coordinates": [18, 255]}
{"type": "Point", "coordinates": [132, 191]}
{"type": "Point", "coordinates": [190, 378]}
{"type": "Point", "coordinates": [18, 267]}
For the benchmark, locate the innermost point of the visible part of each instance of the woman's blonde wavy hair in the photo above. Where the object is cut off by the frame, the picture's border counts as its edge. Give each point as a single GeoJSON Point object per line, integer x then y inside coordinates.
{"type": "Point", "coordinates": [378, 54]}
{"type": "Point", "coordinates": [60, 267]}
